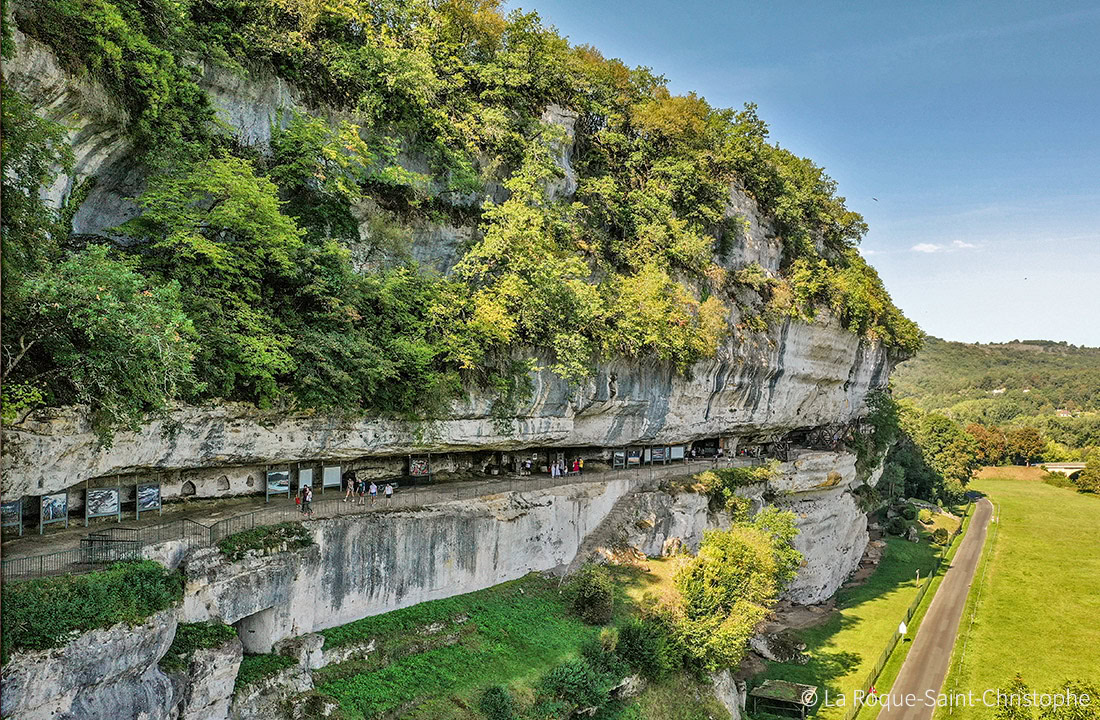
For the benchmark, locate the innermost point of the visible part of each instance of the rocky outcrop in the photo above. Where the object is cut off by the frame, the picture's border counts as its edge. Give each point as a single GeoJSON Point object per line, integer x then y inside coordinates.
{"type": "Point", "coordinates": [110, 673]}
{"type": "Point", "coordinates": [797, 376]}
{"type": "Point", "coordinates": [210, 680]}
{"type": "Point", "coordinates": [730, 692]}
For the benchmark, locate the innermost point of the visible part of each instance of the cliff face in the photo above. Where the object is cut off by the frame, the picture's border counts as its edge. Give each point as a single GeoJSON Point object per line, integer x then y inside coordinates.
{"type": "Point", "coordinates": [760, 384]}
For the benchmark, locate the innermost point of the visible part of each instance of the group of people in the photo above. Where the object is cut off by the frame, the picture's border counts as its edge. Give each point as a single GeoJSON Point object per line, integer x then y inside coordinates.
{"type": "Point", "coordinates": [362, 489]}
{"type": "Point", "coordinates": [558, 468]}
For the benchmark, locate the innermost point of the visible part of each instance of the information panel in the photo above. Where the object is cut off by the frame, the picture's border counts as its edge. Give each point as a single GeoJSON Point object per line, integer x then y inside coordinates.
{"type": "Point", "coordinates": [102, 502]}
{"type": "Point", "coordinates": [676, 452]}
{"type": "Point", "coordinates": [54, 508]}
{"type": "Point", "coordinates": [278, 483]}
{"type": "Point", "coordinates": [11, 514]}
{"type": "Point", "coordinates": [305, 478]}
{"type": "Point", "coordinates": [148, 498]}
{"type": "Point", "coordinates": [633, 458]}
{"type": "Point", "coordinates": [618, 459]}
{"type": "Point", "coordinates": [330, 476]}
{"type": "Point", "coordinates": [658, 455]}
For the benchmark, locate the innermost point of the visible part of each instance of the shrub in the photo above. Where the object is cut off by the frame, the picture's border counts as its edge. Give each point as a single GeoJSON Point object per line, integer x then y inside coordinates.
{"type": "Point", "coordinates": [603, 657]}
{"type": "Point", "coordinates": [268, 537]}
{"type": "Point", "coordinates": [593, 595]}
{"type": "Point", "coordinates": [497, 704]}
{"type": "Point", "coordinates": [257, 667]}
{"type": "Point", "coordinates": [897, 526]}
{"type": "Point", "coordinates": [194, 636]}
{"type": "Point", "coordinates": [578, 683]}
{"type": "Point", "coordinates": [909, 512]}
{"type": "Point", "coordinates": [721, 484]}
{"type": "Point", "coordinates": [645, 646]}
{"type": "Point", "coordinates": [940, 536]}
{"type": "Point", "coordinates": [925, 516]}
{"type": "Point", "coordinates": [46, 612]}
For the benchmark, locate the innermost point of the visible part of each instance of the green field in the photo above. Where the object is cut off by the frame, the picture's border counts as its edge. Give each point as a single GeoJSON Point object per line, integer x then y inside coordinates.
{"type": "Point", "coordinates": [1035, 602]}
{"type": "Point", "coordinates": [843, 649]}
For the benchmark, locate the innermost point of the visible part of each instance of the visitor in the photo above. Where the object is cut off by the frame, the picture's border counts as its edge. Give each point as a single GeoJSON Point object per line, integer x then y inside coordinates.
{"type": "Point", "coordinates": [351, 488]}
{"type": "Point", "coordinates": [389, 493]}
{"type": "Point", "coordinates": [307, 505]}
{"type": "Point", "coordinates": [576, 466]}
{"type": "Point", "coordinates": [527, 467]}
{"type": "Point", "coordinates": [373, 492]}
{"type": "Point", "coordinates": [580, 465]}
{"type": "Point", "coordinates": [298, 500]}
{"type": "Point", "coordinates": [363, 492]}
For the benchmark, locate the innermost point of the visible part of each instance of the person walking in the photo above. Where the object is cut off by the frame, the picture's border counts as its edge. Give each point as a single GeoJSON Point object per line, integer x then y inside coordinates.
{"type": "Point", "coordinates": [389, 493]}
{"type": "Point", "coordinates": [373, 492]}
{"type": "Point", "coordinates": [351, 488]}
{"type": "Point", "coordinates": [580, 465]}
{"type": "Point", "coordinates": [307, 504]}
{"type": "Point", "coordinates": [362, 492]}
{"type": "Point", "coordinates": [576, 466]}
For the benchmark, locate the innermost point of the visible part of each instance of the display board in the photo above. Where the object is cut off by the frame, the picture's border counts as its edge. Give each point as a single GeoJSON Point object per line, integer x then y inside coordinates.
{"type": "Point", "coordinates": [676, 452]}
{"type": "Point", "coordinates": [54, 508]}
{"type": "Point", "coordinates": [633, 457]}
{"type": "Point", "coordinates": [11, 514]}
{"type": "Point", "coordinates": [148, 498]}
{"type": "Point", "coordinates": [330, 477]}
{"type": "Point", "coordinates": [618, 459]}
{"type": "Point", "coordinates": [102, 502]}
{"type": "Point", "coordinates": [305, 478]}
{"type": "Point", "coordinates": [420, 466]}
{"type": "Point", "coordinates": [278, 483]}
{"type": "Point", "coordinates": [659, 455]}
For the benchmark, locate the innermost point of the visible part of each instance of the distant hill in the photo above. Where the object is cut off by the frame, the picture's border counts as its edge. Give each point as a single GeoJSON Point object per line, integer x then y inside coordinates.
{"type": "Point", "coordinates": [1051, 385]}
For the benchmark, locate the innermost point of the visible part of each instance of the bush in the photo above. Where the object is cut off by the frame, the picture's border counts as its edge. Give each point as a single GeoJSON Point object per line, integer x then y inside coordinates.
{"type": "Point", "coordinates": [578, 683]}
{"type": "Point", "coordinates": [268, 537]}
{"type": "Point", "coordinates": [925, 516]}
{"type": "Point", "coordinates": [194, 636]}
{"type": "Point", "coordinates": [46, 612]}
{"type": "Point", "coordinates": [602, 656]}
{"type": "Point", "coordinates": [897, 526]}
{"type": "Point", "coordinates": [645, 646]}
{"type": "Point", "coordinates": [497, 704]}
{"type": "Point", "coordinates": [593, 595]}
{"type": "Point", "coordinates": [257, 667]}
{"type": "Point", "coordinates": [941, 536]}
{"type": "Point", "coordinates": [909, 512]}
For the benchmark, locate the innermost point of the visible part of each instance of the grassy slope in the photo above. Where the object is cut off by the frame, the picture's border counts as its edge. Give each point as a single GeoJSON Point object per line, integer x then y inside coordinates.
{"type": "Point", "coordinates": [512, 634]}
{"type": "Point", "coordinates": [1037, 611]}
{"type": "Point", "coordinates": [843, 649]}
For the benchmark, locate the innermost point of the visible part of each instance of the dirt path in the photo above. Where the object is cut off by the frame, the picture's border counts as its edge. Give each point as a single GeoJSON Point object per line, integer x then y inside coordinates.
{"type": "Point", "coordinates": [925, 667]}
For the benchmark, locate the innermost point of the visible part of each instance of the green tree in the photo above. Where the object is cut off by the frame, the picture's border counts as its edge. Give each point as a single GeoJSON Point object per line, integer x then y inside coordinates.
{"type": "Point", "coordinates": [1024, 444]}
{"type": "Point", "coordinates": [95, 332]}
{"type": "Point", "coordinates": [1016, 705]}
{"type": "Point", "coordinates": [992, 443]}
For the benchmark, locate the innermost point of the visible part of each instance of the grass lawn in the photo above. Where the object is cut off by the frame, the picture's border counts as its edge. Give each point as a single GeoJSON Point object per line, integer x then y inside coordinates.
{"type": "Point", "coordinates": [843, 649]}
{"type": "Point", "coordinates": [1036, 610]}
{"type": "Point", "coordinates": [511, 633]}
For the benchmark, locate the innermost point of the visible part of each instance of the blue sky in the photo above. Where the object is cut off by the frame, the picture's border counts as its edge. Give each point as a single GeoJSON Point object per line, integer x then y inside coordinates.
{"type": "Point", "coordinates": [975, 124]}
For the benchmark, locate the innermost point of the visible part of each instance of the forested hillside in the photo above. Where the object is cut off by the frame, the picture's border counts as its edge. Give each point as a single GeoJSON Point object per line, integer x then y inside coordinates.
{"type": "Point", "coordinates": [1051, 387]}
{"type": "Point", "coordinates": [236, 282]}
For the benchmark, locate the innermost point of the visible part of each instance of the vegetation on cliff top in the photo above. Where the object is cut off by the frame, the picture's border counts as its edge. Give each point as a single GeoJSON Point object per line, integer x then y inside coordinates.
{"type": "Point", "coordinates": [47, 612]}
{"type": "Point", "coordinates": [261, 302]}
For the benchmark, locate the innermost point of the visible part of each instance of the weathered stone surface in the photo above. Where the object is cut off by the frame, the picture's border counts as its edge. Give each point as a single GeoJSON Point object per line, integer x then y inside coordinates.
{"type": "Point", "coordinates": [211, 676]}
{"type": "Point", "coordinates": [110, 673]}
{"type": "Point", "coordinates": [372, 564]}
{"type": "Point", "coordinates": [730, 692]}
{"type": "Point", "coordinates": [266, 698]}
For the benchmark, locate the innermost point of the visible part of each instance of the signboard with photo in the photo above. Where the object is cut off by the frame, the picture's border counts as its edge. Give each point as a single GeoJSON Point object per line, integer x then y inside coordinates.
{"type": "Point", "coordinates": [618, 459]}
{"type": "Point", "coordinates": [278, 482]}
{"type": "Point", "coordinates": [330, 476]}
{"type": "Point", "coordinates": [420, 467]}
{"type": "Point", "coordinates": [11, 515]}
{"type": "Point", "coordinates": [148, 498]}
{"type": "Point", "coordinates": [54, 508]}
{"type": "Point", "coordinates": [658, 455]}
{"type": "Point", "coordinates": [633, 457]}
{"type": "Point", "coordinates": [102, 502]}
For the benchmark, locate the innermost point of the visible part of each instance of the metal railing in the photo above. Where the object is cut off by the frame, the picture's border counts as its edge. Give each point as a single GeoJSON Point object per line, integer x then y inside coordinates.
{"type": "Point", "coordinates": [112, 544]}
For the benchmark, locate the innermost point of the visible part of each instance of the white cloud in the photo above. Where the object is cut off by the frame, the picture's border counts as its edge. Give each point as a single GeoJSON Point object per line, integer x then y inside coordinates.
{"type": "Point", "coordinates": [927, 248]}
{"type": "Point", "coordinates": [935, 247]}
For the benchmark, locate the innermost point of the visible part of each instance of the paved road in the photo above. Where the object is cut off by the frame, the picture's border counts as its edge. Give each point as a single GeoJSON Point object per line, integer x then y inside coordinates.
{"type": "Point", "coordinates": [926, 665]}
